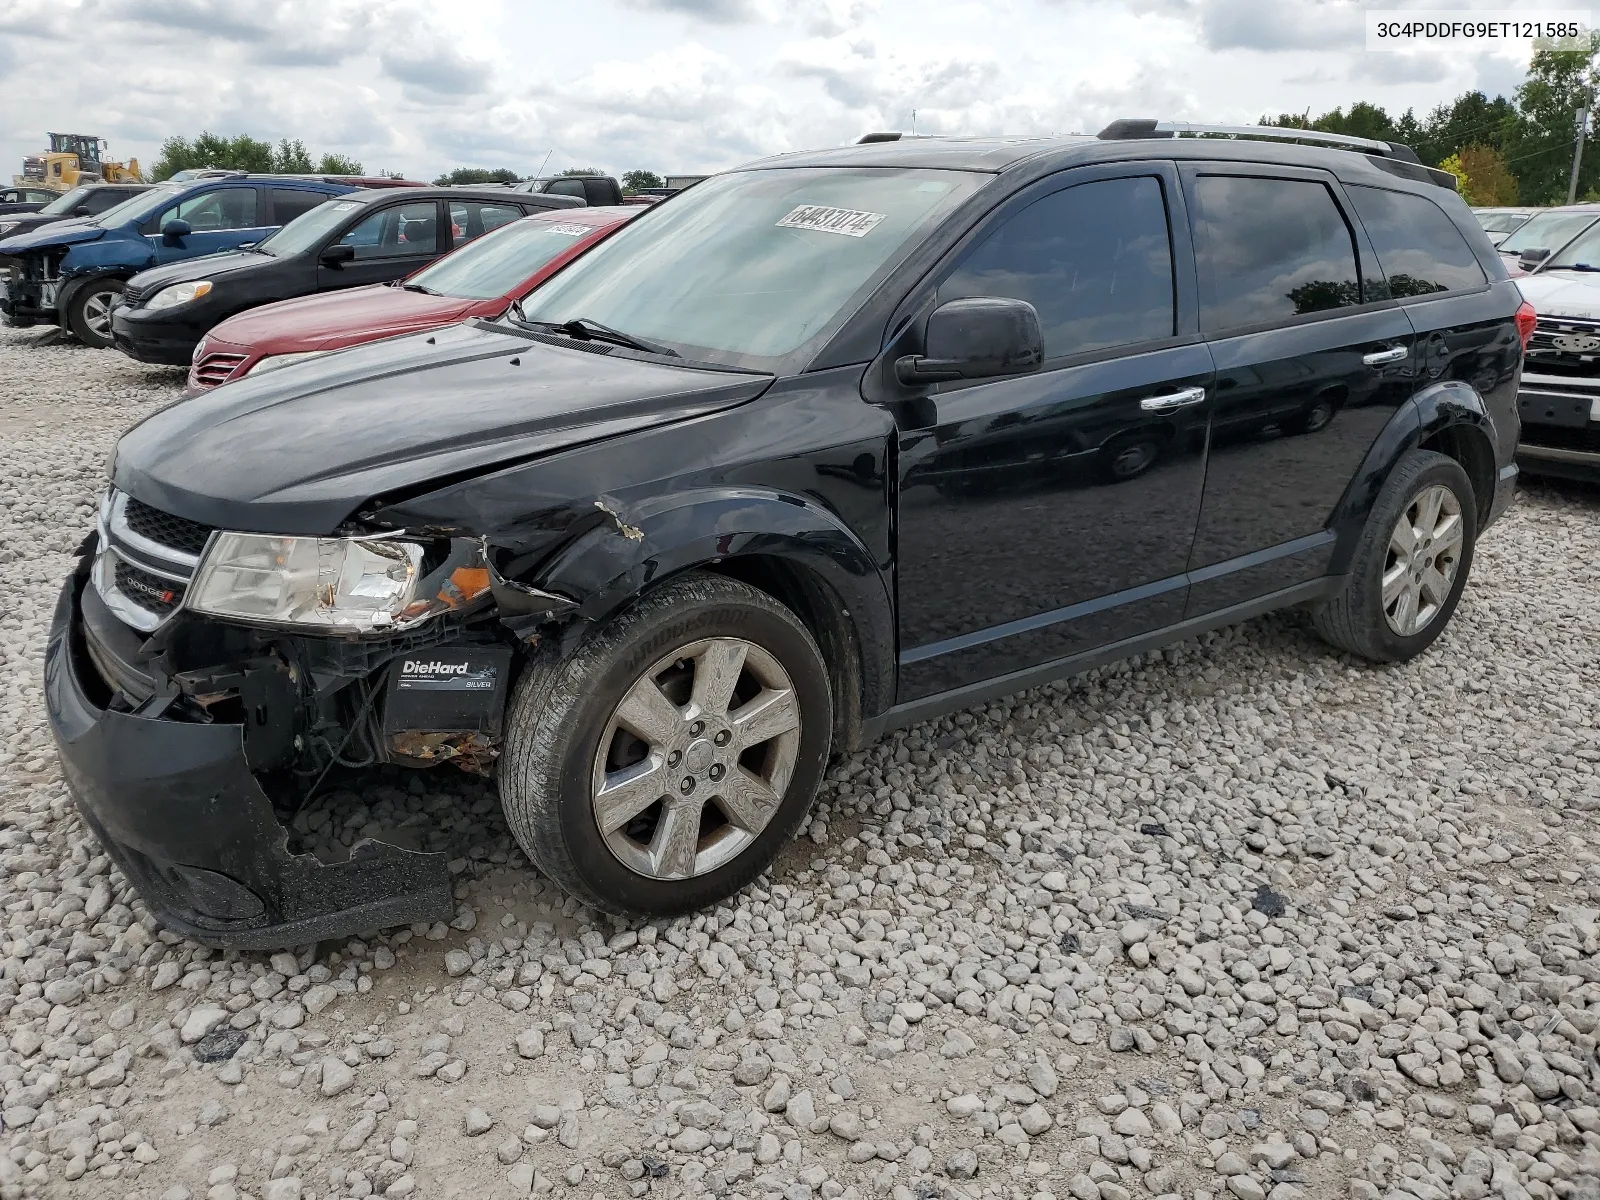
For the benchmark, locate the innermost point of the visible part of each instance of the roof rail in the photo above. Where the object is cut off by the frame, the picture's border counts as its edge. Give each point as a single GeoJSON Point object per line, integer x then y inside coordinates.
{"type": "Point", "coordinates": [1125, 129]}
{"type": "Point", "coordinates": [1394, 157]}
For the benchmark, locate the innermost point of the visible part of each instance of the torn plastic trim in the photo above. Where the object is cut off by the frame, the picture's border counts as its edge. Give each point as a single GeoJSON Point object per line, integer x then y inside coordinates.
{"type": "Point", "coordinates": [523, 607]}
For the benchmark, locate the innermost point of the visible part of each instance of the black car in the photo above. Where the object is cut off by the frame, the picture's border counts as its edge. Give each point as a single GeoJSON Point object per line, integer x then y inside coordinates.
{"type": "Point", "coordinates": [361, 238]}
{"type": "Point", "coordinates": [85, 200]}
{"type": "Point", "coordinates": [24, 199]}
{"type": "Point", "coordinates": [827, 445]}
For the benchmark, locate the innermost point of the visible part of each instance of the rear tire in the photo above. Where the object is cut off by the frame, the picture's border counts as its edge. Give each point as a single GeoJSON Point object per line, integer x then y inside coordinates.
{"type": "Point", "coordinates": [89, 312]}
{"type": "Point", "coordinates": [644, 806]}
{"type": "Point", "coordinates": [1410, 565]}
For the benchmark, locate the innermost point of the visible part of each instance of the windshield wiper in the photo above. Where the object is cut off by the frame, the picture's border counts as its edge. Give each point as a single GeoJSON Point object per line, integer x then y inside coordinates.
{"type": "Point", "coordinates": [586, 330]}
{"type": "Point", "coordinates": [1572, 267]}
{"type": "Point", "coordinates": [417, 287]}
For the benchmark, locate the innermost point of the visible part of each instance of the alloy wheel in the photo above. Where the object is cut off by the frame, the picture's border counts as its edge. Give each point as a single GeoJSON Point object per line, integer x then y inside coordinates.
{"type": "Point", "coordinates": [97, 313]}
{"type": "Point", "coordinates": [1423, 558]}
{"type": "Point", "coordinates": [696, 758]}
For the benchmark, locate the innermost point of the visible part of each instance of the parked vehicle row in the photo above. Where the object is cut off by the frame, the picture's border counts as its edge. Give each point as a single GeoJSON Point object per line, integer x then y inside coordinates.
{"type": "Point", "coordinates": [1499, 223]}
{"type": "Point", "coordinates": [362, 238]}
{"type": "Point", "coordinates": [825, 445]}
{"type": "Point", "coordinates": [481, 280]}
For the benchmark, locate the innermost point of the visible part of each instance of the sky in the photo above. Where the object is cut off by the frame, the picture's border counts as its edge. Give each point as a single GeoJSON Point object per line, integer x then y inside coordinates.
{"type": "Point", "coordinates": [680, 86]}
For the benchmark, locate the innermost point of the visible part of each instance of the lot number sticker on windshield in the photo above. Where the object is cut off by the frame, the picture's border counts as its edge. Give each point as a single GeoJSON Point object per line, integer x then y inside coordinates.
{"type": "Point", "coordinates": [848, 221]}
{"type": "Point", "coordinates": [569, 230]}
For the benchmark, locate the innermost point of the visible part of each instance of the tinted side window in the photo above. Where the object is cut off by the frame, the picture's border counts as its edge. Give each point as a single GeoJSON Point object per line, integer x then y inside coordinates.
{"type": "Point", "coordinates": [103, 198]}
{"type": "Point", "coordinates": [1268, 250]}
{"type": "Point", "coordinates": [473, 218]}
{"type": "Point", "coordinates": [289, 203]}
{"type": "Point", "coordinates": [566, 187]}
{"type": "Point", "coordinates": [1419, 248]}
{"type": "Point", "coordinates": [400, 230]}
{"type": "Point", "coordinates": [229, 208]}
{"type": "Point", "coordinates": [1095, 261]}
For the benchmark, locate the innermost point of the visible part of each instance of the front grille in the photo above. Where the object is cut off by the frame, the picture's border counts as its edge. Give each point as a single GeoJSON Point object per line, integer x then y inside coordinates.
{"type": "Point", "coordinates": [150, 592]}
{"type": "Point", "coordinates": [1568, 345]}
{"type": "Point", "coordinates": [179, 533]}
{"type": "Point", "coordinates": [214, 369]}
{"type": "Point", "coordinates": [132, 295]}
{"type": "Point", "coordinates": [146, 560]}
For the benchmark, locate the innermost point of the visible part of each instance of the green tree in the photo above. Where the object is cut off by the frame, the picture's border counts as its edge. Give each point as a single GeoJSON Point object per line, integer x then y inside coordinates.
{"type": "Point", "coordinates": [579, 171]}
{"type": "Point", "coordinates": [468, 175]}
{"type": "Point", "coordinates": [632, 181]}
{"type": "Point", "coordinates": [338, 164]}
{"type": "Point", "coordinates": [1540, 147]}
{"type": "Point", "coordinates": [291, 158]}
{"type": "Point", "coordinates": [1453, 165]}
{"type": "Point", "coordinates": [245, 153]}
{"type": "Point", "coordinates": [1489, 182]}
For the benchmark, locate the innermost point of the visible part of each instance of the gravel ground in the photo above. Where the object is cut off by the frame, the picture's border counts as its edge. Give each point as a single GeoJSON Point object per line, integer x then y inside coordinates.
{"type": "Point", "coordinates": [1240, 919]}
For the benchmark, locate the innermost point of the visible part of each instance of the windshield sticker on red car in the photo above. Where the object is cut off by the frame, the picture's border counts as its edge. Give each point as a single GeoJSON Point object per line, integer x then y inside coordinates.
{"type": "Point", "coordinates": [568, 230]}
{"type": "Point", "coordinates": [848, 221]}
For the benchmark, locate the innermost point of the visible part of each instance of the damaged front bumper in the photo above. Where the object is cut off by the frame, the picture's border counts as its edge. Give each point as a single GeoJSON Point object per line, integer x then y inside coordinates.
{"type": "Point", "coordinates": [176, 806]}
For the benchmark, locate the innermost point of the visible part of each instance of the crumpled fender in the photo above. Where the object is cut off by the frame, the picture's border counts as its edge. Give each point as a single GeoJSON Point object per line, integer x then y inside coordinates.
{"type": "Point", "coordinates": [634, 545]}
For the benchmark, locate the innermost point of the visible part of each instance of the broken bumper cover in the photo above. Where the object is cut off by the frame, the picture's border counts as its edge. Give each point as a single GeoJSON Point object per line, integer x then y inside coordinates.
{"type": "Point", "coordinates": [177, 808]}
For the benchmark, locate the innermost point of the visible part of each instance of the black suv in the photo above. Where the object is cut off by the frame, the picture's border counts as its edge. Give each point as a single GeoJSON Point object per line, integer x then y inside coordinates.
{"type": "Point", "coordinates": [820, 447]}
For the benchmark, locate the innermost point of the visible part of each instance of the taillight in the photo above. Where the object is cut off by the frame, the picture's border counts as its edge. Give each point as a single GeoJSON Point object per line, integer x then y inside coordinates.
{"type": "Point", "coordinates": [1525, 322]}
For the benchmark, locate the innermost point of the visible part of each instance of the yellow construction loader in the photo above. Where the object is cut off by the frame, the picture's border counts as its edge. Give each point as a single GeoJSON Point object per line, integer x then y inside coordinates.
{"type": "Point", "coordinates": [74, 158]}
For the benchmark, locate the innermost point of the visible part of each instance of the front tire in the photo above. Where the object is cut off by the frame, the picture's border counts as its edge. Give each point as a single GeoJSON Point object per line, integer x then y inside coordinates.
{"type": "Point", "coordinates": [1410, 566]}
{"type": "Point", "coordinates": [661, 766]}
{"type": "Point", "coordinates": [89, 312]}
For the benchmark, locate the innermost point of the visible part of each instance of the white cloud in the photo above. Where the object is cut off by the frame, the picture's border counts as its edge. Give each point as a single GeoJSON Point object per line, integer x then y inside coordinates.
{"type": "Point", "coordinates": [678, 85]}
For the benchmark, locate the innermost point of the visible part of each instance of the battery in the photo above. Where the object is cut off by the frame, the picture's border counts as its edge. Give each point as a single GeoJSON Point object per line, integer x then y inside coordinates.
{"type": "Point", "coordinates": [448, 689]}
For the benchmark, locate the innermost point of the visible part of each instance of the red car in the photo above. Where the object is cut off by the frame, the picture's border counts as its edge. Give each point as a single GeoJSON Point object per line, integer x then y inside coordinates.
{"type": "Point", "coordinates": [482, 279]}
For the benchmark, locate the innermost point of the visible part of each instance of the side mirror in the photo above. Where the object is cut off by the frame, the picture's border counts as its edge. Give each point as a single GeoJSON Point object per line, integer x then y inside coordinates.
{"type": "Point", "coordinates": [176, 230]}
{"type": "Point", "coordinates": [337, 256]}
{"type": "Point", "coordinates": [1532, 257]}
{"type": "Point", "coordinates": [977, 338]}
{"type": "Point", "coordinates": [80, 210]}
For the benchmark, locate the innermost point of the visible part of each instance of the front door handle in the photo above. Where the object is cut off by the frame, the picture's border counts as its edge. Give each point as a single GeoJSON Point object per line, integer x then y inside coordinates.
{"type": "Point", "coordinates": [1379, 358]}
{"type": "Point", "coordinates": [1173, 400]}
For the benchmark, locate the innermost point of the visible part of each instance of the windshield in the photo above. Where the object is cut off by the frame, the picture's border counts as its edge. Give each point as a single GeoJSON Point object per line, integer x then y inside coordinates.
{"type": "Point", "coordinates": [1551, 230]}
{"type": "Point", "coordinates": [1501, 222]}
{"type": "Point", "coordinates": [63, 204]}
{"type": "Point", "coordinates": [497, 262]}
{"type": "Point", "coordinates": [748, 267]}
{"type": "Point", "coordinates": [137, 207]}
{"type": "Point", "coordinates": [1582, 254]}
{"type": "Point", "coordinates": [309, 228]}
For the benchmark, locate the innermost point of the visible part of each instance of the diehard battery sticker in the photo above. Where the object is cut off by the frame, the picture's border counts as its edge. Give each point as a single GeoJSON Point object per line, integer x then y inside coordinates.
{"type": "Point", "coordinates": [447, 688]}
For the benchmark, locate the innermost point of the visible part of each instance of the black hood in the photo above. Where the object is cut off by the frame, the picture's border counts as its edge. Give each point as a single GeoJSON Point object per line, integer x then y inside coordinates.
{"type": "Point", "coordinates": [207, 266]}
{"type": "Point", "coordinates": [25, 222]}
{"type": "Point", "coordinates": [297, 450]}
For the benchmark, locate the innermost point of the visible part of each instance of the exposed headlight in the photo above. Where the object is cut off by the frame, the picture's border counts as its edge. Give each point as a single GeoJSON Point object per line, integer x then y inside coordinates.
{"type": "Point", "coordinates": [273, 361]}
{"type": "Point", "coordinates": [179, 293]}
{"type": "Point", "coordinates": [351, 584]}
{"type": "Point", "coordinates": [7, 226]}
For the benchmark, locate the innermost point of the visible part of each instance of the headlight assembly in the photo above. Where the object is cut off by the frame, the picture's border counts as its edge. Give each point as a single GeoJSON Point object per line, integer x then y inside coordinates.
{"type": "Point", "coordinates": [348, 585]}
{"type": "Point", "coordinates": [273, 361]}
{"type": "Point", "coordinates": [179, 293]}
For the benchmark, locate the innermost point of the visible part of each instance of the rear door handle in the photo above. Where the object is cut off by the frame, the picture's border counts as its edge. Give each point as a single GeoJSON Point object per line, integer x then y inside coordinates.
{"type": "Point", "coordinates": [1172, 400]}
{"type": "Point", "coordinates": [1380, 358]}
